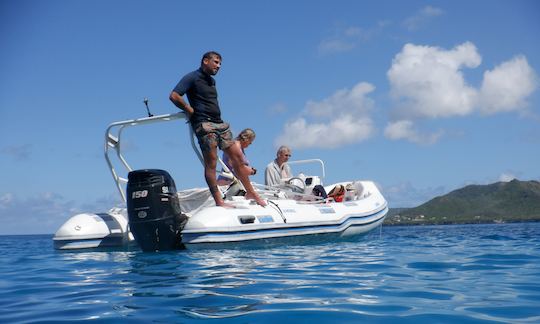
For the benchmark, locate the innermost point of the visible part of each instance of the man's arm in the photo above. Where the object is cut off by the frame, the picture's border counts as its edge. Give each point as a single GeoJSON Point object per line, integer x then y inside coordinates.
{"type": "Point", "coordinates": [179, 102]}
{"type": "Point", "coordinates": [288, 171]}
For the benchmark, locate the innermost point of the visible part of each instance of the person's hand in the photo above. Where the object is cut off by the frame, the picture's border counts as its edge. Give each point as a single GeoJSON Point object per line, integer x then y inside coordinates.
{"type": "Point", "coordinates": [188, 114]}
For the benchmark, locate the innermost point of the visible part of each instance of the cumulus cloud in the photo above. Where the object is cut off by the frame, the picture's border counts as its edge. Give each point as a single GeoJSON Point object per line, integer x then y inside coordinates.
{"type": "Point", "coordinates": [341, 119]}
{"type": "Point", "coordinates": [422, 17]}
{"type": "Point", "coordinates": [427, 82]}
{"type": "Point", "coordinates": [353, 101]}
{"type": "Point", "coordinates": [338, 132]}
{"type": "Point", "coordinates": [405, 129]}
{"type": "Point", "coordinates": [506, 87]}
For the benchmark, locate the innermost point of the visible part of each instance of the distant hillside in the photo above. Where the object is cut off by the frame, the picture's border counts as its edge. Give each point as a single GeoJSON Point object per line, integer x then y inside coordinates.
{"type": "Point", "coordinates": [513, 201]}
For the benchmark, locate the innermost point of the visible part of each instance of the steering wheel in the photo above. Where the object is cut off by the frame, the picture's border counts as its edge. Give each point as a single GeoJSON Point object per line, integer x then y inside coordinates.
{"type": "Point", "coordinates": [294, 187]}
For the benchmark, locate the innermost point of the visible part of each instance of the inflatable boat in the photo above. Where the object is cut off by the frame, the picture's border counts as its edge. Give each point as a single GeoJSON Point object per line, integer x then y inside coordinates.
{"type": "Point", "coordinates": [159, 217]}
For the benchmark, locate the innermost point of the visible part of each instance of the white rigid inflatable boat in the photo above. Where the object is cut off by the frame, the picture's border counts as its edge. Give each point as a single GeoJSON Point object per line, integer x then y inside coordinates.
{"type": "Point", "coordinates": [158, 217]}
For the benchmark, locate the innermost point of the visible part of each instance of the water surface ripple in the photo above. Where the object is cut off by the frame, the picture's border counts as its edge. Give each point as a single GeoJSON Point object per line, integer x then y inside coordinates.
{"type": "Point", "coordinates": [429, 274]}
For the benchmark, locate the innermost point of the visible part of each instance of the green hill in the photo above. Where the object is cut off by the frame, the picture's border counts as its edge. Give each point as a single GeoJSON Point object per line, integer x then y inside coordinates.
{"type": "Point", "coordinates": [513, 201]}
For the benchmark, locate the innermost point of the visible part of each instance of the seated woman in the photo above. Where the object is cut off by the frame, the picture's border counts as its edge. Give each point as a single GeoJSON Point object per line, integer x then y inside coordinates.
{"type": "Point", "coordinates": [244, 139]}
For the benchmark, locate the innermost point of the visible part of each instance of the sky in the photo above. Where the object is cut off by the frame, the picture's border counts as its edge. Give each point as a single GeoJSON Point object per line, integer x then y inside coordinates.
{"type": "Point", "coordinates": [422, 97]}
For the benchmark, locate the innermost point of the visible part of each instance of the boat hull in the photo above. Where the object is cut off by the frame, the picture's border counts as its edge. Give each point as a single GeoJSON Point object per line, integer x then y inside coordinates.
{"type": "Point", "coordinates": [348, 225]}
{"type": "Point", "coordinates": [87, 230]}
{"type": "Point", "coordinates": [280, 220]}
{"type": "Point", "coordinates": [286, 218]}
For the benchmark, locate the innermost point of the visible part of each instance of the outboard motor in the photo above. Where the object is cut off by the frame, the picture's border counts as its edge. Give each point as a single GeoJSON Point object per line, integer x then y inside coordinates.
{"type": "Point", "coordinates": [154, 214]}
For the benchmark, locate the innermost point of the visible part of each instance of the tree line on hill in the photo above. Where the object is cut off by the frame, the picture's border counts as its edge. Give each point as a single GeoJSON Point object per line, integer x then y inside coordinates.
{"type": "Point", "coordinates": [500, 202]}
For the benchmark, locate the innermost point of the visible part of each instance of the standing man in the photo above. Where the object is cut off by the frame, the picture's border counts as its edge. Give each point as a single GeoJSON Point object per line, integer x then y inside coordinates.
{"type": "Point", "coordinates": [278, 169]}
{"type": "Point", "coordinates": [205, 117]}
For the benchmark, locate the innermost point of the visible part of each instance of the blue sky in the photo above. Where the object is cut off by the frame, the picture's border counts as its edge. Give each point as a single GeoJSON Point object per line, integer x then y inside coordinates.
{"type": "Point", "coordinates": [422, 97]}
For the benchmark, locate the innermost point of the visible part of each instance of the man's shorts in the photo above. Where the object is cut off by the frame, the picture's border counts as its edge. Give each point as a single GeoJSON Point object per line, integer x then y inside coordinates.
{"type": "Point", "coordinates": [211, 135]}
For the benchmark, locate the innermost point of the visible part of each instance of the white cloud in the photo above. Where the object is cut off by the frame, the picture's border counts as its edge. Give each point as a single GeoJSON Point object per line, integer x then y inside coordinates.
{"type": "Point", "coordinates": [428, 82]}
{"type": "Point", "coordinates": [506, 177]}
{"type": "Point", "coordinates": [347, 38]}
{"type": "Point", "coordinates": [277, 109]}
{"type": "Point", "coordinates": [406, 195]}
{"type": "Point", "coordinates": [506, 87]}
{"type": "Point", "coordinates": [40, 214]}
{"type": "Point", "coordinates": [335, 45]}
{"type": "Point", "coordinates": [6, 200]}
{"type": "Point", "coordinates": [404, 129]}
{"type": "Point", "coordinates": [341, 119]}
{"type": "Point", "coordinates": [43, 213]}
{"type": "Point", "coordinates": [400, 129]}
{"type": "Point", "coordinates": [354, 101]}
{"type": "Point", "coordinates": [337, 132]}
{"type": "Point", "coordinates": [422, 17]}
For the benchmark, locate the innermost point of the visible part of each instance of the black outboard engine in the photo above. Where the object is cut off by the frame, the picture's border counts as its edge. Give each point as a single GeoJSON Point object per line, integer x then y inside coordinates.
{"type": "Point", "coordinates": [155, 219]}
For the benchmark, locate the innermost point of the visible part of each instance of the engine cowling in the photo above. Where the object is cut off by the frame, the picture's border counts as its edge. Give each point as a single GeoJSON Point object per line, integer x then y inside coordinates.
{"type": "Point", "coordinates": [154, 214]}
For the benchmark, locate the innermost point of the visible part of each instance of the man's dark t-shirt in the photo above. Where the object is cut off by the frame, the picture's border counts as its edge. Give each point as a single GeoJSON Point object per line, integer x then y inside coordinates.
{"type": "Point", "coordinates": [200, 89]}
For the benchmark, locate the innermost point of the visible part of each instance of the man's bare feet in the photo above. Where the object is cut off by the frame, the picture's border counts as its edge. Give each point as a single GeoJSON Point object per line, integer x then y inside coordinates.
{"type": "Point", "coordinates": [256, 197]}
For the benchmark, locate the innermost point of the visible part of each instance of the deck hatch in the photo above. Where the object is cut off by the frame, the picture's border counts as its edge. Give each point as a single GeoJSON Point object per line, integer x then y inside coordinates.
{"type": "Point", "coordinates": [327, 210]}
{"type": "Point", "coordinates": [265, 219]}
{"type": "Point", "coordinates": [246, 219]}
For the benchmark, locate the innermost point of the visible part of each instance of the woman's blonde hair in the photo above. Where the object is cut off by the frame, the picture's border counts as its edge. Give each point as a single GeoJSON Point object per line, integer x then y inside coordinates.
{"type": "Point", "coordinates": [246, 135]}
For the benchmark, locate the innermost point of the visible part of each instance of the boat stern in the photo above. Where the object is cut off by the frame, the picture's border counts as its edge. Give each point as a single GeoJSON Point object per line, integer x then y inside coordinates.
{"type": "Point", "coordinates": [89, 230]}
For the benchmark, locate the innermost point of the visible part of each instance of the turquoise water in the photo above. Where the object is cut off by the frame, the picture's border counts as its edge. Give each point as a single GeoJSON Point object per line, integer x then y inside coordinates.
{"type": "Point", "coordinates": [421, 274]}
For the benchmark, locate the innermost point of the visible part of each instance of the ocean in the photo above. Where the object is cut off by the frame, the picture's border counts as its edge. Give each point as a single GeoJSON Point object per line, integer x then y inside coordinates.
{"type": "Point", "coordinates": [416, 274]}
